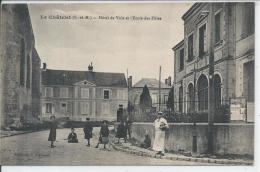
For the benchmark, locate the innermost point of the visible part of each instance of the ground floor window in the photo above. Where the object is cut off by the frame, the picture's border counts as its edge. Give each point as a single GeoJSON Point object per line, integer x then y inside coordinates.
{"type": "Point", "coordinates": [203, 93]}
{"type": "Point", "coordinates": [249, 81]}
{"type": "Point", "coordinates": [191, 98]}
{"type": "Point", "coordinates": [180, 99]}
{"type": "Point", "coordinates": [84, 108]}
{"type": "Point", "coordinates": [63, 107]}
{"type": "Point", "coordinates": [48, 108]}
{"type": "Point", "coordinates": [217, 90]}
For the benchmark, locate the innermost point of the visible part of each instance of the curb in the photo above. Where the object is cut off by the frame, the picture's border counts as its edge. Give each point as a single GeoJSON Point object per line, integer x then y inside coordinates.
{"type": "Point", "coordinates": [15, 134]}
{"type": "Point", "coordinates": [182, 158]}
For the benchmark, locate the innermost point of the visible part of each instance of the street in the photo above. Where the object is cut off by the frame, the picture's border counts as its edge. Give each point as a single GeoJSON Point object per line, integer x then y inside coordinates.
{"type": "Point", "coordinates": [33, 149]}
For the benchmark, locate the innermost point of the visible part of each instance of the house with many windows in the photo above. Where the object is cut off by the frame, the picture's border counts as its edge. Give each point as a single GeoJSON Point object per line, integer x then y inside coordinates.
{"type": "Point", "coordinates": [233, 40]}
{"type": "Point", "coordinates": [78, 95]}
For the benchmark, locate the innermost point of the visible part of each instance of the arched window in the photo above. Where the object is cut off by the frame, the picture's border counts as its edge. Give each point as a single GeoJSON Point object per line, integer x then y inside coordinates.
{"type": "Point", "coordinates": [180, 99]}
{"type": "Point", "coordinates": [203, 93]}
{"type": "Point", "coordinates": [191, 100]}
{"type": "Point", "coordinates": [28, 72]}
{"type": "Point", "coordinates": [217, 90]}
{"type": "Point", "coordinates": [22, 63]}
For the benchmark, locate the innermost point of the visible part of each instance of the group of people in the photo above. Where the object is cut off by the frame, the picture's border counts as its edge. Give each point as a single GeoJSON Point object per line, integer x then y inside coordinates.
{"type": "Point", "coordinates": [124, 128]}
{"type": "Point", "coordinates": [88, 129]}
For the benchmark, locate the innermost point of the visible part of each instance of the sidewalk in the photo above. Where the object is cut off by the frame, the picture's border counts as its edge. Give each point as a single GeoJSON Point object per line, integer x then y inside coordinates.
{"type": "Point", "coordinates": [131, 149]}
{"type": "Point", "coordinates": [4, 133]}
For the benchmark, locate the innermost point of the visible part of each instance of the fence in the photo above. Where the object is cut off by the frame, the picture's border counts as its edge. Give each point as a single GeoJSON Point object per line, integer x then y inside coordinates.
{"type": "Point", "coordinates": [185, 112]}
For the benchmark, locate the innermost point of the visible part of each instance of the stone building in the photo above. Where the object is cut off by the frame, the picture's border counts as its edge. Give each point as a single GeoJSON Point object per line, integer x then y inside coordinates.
{"type": "Point", "coordinates": [153, 85]}
{"type": "Point", "coordinates": [234, 36]}
{"type": "Point", "coordinates": [20, 67]}
{"type": "Point", "coordinates": [80, 94]}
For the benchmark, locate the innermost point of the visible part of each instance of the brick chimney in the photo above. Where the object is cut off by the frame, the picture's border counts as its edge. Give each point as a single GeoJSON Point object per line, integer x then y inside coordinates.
{"type": "Point", "coordinates": [129, 81]}
{"type": "Point", "coordinates": [44, 66]}
{"type": "Point", "coordinates": [90, 67]}
{"type": "Point", "coordinates": [168, 81]}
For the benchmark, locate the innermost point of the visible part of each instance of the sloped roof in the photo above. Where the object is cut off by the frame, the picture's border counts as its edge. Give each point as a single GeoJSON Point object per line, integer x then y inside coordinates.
{"type": "Point", "coordinates": [151, 83]}
{"type": "Point", "coordinates": [66, 77]}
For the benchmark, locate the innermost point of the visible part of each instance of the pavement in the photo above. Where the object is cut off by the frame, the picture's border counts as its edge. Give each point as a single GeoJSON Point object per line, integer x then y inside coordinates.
{"type": "Point", "coordinates": [131, 149]}
{"type": "Point", "coordinates": [5, 133]}
{"type": "Point", "coordinates": [34, 149]}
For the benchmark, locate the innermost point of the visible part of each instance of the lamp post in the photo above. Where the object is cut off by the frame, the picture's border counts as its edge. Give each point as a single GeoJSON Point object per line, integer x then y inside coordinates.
{"type": "Point", "coordinates": [211, 103]}
{"type": "Point", "coordinates": [160, 71]}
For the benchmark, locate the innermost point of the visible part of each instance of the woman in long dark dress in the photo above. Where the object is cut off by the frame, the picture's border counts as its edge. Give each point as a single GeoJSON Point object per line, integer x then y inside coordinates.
{"type": "Point", "coordinates": [103, 135]}
{"type": "Point", "coordinates": [52, 135]}
{"type": "Point", "coordinates": [88, 131]}
{"type": "Point", "coordinates": [121, 131]}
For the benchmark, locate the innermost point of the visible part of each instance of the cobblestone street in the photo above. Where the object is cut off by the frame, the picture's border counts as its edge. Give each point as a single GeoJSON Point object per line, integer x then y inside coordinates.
{"type": "Point", "coordinates": [33, 149]}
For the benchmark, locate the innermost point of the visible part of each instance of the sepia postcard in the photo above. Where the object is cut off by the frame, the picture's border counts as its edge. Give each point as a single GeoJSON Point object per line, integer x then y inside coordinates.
{"type": "Point", "coordinates": [127, 83]}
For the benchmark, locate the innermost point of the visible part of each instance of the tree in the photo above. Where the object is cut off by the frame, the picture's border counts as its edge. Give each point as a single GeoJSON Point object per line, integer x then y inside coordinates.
{"type": "Point", "coordinates": [145, 99]}
{"type": "Point", "coordinates": [170, 102]}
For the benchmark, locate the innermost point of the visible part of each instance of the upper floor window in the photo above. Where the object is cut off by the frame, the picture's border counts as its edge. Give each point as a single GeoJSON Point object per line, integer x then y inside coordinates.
{"type": "Point", "coordinates": [64, 92]}
{"type": "Point", "coordinates": [85, 93]}
{"type": "Point", "coordinates": [248, 21]}
{"type": "Point", "coordinates": [28, 72]}
{"type": "Point", "coordinates": [106, 94]}
{"type": "Point", "coordinates": [217, 28]}
{"type": "Point", "coordinates": [22, 63]}
{"type": "Point", "coordinates": [202, 40]}
{"type": "Point", "coordinates": [190, 48]}
{"type": "Point", "coordinates": [48, 92]}
{"type": "Point", "coordinates": [181, 59]}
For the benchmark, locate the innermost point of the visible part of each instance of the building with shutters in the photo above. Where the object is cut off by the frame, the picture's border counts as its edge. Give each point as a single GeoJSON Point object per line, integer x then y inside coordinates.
{"type": "Point", "coordinates": [78, 95]}
{"type": "Point", "coordinates": [234, 70]}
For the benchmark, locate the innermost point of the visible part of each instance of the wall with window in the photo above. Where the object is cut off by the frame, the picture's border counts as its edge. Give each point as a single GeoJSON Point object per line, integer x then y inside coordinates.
{"type": "Point", "coordinates": [179, 62]}
{"type": "Point", "coordinates": [16, 64]}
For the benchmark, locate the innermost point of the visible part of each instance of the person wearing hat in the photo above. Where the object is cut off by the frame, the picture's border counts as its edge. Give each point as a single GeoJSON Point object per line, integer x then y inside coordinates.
{"type": "Point", "coordinates": [160, 125]}
{"type": "Point", "coordinates": [103, 135]}
{"type": "Point", "coordinates": [72, 138]}
{"type": "Point", "coordinates": [88, 128]}
{"type": "Point", "coordinates": [52, 134]}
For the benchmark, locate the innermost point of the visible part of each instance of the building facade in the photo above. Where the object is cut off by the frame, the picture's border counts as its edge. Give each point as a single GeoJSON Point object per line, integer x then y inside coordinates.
{"type": "Point", "coordinates": [233, 30]}
{"type": "Point", "coordinates": [20, 68]}
{"type": "Point", "coordinates": [78, 95]}
{"type": "Point", "coordinates": [153, 85]}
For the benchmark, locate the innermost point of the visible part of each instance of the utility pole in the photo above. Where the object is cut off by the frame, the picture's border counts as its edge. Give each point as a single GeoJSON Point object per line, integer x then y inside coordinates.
{"type": "Point", "coordinates": [160, 70]}
{"type": "Point", "coordinates": [211, 80]}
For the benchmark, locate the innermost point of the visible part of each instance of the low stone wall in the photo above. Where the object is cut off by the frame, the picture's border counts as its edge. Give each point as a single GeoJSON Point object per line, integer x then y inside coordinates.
{"type": "Point", "coordinates": [228, 138]}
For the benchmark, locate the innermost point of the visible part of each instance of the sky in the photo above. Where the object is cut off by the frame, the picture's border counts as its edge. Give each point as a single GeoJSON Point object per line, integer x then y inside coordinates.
{"type": "Point", "coordinates": [110, 43]}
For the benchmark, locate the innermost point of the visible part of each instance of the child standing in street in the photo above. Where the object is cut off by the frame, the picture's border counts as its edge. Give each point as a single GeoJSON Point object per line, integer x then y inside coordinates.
{"type": "Point", "coordinates": [52, 134]}
{"type": "Point", "coordinates": [103, 135]}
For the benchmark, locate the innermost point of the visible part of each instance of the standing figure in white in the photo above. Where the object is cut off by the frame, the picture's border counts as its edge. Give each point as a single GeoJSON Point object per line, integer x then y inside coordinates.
{"type": "Point", "coordinates": [160, 125]}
